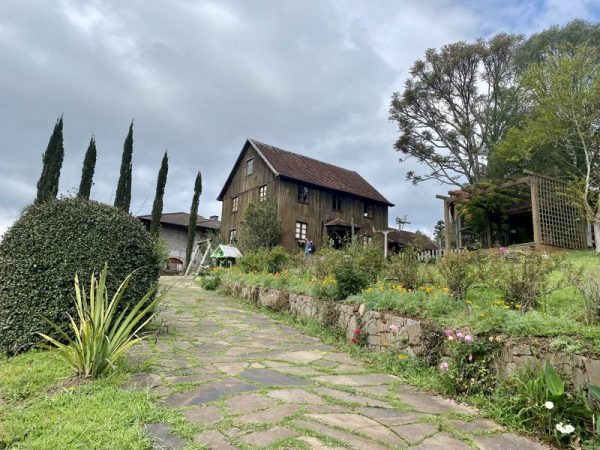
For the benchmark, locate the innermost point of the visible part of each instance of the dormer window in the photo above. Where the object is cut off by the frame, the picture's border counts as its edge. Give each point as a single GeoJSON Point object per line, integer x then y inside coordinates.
{"type": "Point", "coordinates": [303, 194]}
{"type": "Point", "coordinates": [249, 166]}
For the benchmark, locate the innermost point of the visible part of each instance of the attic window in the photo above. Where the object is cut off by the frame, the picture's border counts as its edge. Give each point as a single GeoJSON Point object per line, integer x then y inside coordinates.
{"type": "Point", "coordinates": [303, 194]}
{"type": "Point", "coordinates": [249, 166]}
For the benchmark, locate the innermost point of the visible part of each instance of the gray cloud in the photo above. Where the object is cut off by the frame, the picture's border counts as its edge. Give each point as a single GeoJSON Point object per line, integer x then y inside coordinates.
{"type": "Point", "coordinates": [199, 77]}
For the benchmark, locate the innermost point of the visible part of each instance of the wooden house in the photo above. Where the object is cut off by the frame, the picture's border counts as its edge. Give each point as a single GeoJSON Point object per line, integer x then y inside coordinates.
{"type": "Point", "coordinates": [174, 231]}
{"type": "Point", "coordinates": [315, 200]}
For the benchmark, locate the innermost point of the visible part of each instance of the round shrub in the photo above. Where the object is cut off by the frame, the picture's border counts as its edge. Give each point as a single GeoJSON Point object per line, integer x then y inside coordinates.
{"type": "Point", "coordinates": [51, 242]}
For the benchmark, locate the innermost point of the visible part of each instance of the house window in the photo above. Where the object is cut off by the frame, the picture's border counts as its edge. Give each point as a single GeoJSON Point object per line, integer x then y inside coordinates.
{"type": "Point", "coordinates": [367, 210]}
{"type": "Point", "coordinates": [303, 194]}
{"type": "Point", "coordinates": [367, 239]}
{"type": "Point", "coordinates": [249, 166]}
{"type": "Point", "coordinates": [301, 230]}
{"type": "Point", "coordinates": [235, 204]}
{"type": "Point", "coordinates": [262, 193]}
{"type": "Point", "coordinates": [337, 203]}
{"type": "Point", "coordinates": [232, 236]}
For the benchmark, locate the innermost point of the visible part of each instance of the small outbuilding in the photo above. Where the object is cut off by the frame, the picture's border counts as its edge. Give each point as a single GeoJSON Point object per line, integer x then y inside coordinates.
{"type": "Point", "coordinates": [226, 254]}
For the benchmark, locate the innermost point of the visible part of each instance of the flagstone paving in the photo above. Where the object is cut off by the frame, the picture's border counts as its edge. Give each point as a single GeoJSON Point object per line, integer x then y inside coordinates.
{"type": "Point", "coordinates": [242, 380]}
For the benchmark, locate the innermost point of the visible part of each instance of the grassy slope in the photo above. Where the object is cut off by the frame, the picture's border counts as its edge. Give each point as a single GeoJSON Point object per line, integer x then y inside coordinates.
{"type": "Point", "coordinates": [95, 414]}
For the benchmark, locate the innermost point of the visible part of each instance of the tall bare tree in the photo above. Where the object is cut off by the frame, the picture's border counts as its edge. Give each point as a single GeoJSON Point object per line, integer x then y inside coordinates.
{"type": "Point", "coordinates": [457, 103]}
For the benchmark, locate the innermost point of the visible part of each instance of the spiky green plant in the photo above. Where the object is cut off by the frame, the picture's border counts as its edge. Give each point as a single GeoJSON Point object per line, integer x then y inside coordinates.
{"type": "Point", "coordinates": [102, 334]}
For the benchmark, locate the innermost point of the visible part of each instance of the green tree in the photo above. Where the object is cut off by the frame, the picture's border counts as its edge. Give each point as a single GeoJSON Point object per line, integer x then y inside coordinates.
{"type": "Point", "coordinates": [439, 233]}
{"type": "Point", "coordinates": [260, 227]}
{"type": "Point", "coordinates": [457, 103]}
{"type": "Point", "coordinates": [123, 194]}
{"type": "Point", "coordinates": [562, 126]}
{"type": "Point", "coordinates": [191, 237]}
{"type": "Point", "coordinates": [538, 47]}
{"type": "Point", "coordinates": [87, 172]}
{"type": "Point", "coordinates": [47, 185]}
{"type": "Point", "coordinates": [157, 206]}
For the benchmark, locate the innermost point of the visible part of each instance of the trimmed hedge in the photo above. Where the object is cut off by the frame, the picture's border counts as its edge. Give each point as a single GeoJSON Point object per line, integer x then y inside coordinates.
{"type": "Point", "coordinates": [52, 241]}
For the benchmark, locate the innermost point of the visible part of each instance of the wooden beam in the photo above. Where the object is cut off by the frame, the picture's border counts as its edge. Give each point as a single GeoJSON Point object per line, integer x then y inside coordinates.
{"type": "Point", "coordinates": [535, 211]}
{"type": "Point", "coordinates": [447, 243]}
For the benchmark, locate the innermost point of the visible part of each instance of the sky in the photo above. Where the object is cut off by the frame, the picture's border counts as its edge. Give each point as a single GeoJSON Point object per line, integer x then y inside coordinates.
{"type": "Point", "coordinates": [200, 77]}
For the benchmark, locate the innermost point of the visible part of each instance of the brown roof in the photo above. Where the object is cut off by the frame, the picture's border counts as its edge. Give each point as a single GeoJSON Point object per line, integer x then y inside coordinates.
{"type": "Point", "coordinates": [183, 219]}
{"type": "Point", "coordinates": [311, 171]}
{"type": "Point", "coordinates": [341, 223]}
{"type": "Point", "coordinates": [404, 238]}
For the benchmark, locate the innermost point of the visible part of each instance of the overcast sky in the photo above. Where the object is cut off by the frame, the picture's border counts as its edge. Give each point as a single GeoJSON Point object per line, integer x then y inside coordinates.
{"type": "Point", "coordinates": [199, 77]}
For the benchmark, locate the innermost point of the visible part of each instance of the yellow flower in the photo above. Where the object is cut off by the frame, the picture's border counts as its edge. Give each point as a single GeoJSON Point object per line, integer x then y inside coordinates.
{"type": "Point", "coordinates": [446, 290]}
{"type": "Point", "coordinates": [468, 302]}
{"type": "Point", "coordinates": [401, 356]}
{"type": "Point", "coordinates": [518, 306]}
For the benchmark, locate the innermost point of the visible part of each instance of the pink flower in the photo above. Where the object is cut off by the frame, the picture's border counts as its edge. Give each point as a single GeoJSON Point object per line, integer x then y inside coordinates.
{"type": "Point", "coordinates": [357, 331]}
{"type": "Point", "coordinates": [449, 333]}
{"type": "Point", "coordinates": [394, 328]}
{"type": "Point", "coordinates": [468, 338]}
{"type": "Point", "coordinates": [459, 335]}
{"type": "Point", "coordinates": [444, 367]}
{"type": "Point", "coordinates": [502, 250]}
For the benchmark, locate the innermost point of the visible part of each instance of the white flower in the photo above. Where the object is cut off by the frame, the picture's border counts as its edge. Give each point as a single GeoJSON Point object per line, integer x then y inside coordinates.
{"type": "Point", "coordinates": [565, 429]}
{"type": "Point", "coordinates": [549, 405]}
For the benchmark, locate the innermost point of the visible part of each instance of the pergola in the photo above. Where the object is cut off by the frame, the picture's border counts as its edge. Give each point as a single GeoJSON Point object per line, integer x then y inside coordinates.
{"type": "Point", "coordinates": [540, 204]}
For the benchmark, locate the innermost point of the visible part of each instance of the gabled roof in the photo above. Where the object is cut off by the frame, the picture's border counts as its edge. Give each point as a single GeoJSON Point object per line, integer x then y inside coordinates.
{"type": "Point", "coordinates": [307, 170]}
{"type": "Point", "coordinates": [403, 238]}
{"type": "Point", "coordinates": [183, 219]}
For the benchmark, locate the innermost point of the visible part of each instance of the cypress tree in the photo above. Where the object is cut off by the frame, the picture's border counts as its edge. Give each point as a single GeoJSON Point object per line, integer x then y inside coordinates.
{"type": "Point", "coordinates": [157, 207]}
{"type": "Point", "coordinates": [123, 194]}
{"type": "Point", "coordinates": [193, 218]}
{"type": "Point", "coordinates": [47, 185]}
{"type": "Point", "coordinates": [87, 172]}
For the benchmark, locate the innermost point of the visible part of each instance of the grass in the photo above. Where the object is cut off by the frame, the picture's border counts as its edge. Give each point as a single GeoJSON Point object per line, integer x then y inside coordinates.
{"type": "Point", "coordinates": [41, 408]}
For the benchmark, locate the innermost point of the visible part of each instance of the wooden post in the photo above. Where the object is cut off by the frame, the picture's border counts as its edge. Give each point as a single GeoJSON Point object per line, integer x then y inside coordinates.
{"type": "Point", "coordinates": [447, 227]}
{"type": "Point", "coordinates": [535, 210]}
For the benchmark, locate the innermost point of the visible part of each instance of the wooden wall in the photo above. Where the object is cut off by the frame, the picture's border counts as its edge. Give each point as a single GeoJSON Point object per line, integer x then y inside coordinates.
{"type": "Point", "coordinates": [319, 210]}
{"type": "Point", "coordinates": [246, 188]}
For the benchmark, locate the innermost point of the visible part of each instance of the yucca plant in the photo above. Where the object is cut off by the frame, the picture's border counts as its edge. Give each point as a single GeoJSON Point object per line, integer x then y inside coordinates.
{"type": "Point", "coordinates": [102, 335]}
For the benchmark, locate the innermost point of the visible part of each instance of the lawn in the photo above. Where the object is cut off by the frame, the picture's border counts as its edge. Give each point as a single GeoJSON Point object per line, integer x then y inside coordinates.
{"type": "Point", "coordinates": [40, 407]}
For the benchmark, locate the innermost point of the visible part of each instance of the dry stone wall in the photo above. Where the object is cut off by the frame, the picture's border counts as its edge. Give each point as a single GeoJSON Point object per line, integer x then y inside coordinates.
{"type": "Point", "coordinates": [385, 331]}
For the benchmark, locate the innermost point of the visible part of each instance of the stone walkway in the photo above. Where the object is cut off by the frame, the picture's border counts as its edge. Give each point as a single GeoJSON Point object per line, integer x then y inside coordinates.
{"type": "Point", "coordinates": [246, 381]}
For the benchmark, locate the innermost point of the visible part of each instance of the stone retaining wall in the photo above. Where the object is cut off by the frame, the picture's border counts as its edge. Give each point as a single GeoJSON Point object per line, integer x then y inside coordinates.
{"type": "Point", "coordinates": [514, 355]}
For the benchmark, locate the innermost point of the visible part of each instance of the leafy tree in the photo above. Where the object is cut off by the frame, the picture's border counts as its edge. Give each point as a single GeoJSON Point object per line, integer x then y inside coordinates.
{"type": "Point", "coordinates": [191, 237]}
{"type": "Point", "coordinates": [47, 185]}
{"type": "Point", "coordinates": [538, 47]}
{"type": "Point", "coordinates": [562, 127]}
{"type": "Point", "coordinates": [123, 194]}
{"type": "Point", "coordinates": [87, 172]}
{"type": "Point", "coordinates": [260, 227]}
{"type": "Point", "coordinates": [157, 206]}
{"type": "Point", "coordinates": [457, 103]}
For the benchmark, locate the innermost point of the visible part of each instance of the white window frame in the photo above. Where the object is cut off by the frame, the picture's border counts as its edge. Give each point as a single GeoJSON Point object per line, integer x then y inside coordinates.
{"type": "Point", "coordinates": [262, 193]}
{"type": "Point", "coordinates": [249, 166]}
{"type": "Point", "coordinates": [301, 229]}
{"type": "Point", "coordinates": [232, 236]}
{"type": "Point", "coordinates": [235, 204]}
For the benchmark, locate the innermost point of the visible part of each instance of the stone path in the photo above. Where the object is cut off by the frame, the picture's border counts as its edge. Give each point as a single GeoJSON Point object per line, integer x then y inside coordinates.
{"type": "Point", "coordinates": [243, 380]}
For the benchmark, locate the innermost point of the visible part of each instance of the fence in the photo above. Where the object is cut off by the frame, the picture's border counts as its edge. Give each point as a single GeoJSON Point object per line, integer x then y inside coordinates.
{"type": "Point", "coordinates": [432, 255]}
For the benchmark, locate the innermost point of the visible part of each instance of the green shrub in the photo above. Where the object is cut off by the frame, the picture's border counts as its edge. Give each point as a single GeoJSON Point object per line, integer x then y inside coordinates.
{"type": "Point", "coordinates": [264, 260]}
{"type": "Point", "coordinates": [405, 268]}
{"type": "Point", "coordinates": [522, 278]}
{"type": "Point", "coordinates": [350, 280]}
{"type": "Point", "coordinates": [102, 335]}
{"type": "Point", "coordinates": [47, 245]}
{"type": "Point", "coordinates": [210, 282]}
{"type": "Point", "coordinates": [458, 273]}
{"type": "Point", "coordinates": [588, 285]}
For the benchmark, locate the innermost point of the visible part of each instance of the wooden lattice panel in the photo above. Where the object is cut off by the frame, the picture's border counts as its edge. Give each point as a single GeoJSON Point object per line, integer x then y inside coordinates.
{"type": "Point", "coordinates": [560, 223]}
